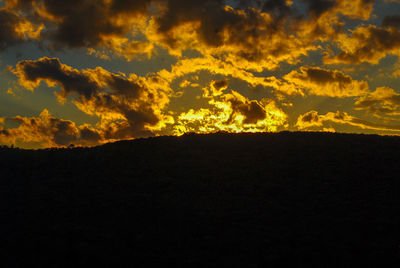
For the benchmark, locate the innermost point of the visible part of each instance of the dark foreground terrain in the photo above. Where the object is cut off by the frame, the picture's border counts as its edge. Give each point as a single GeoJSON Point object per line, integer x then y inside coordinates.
{"type": "Point", "coordinates": [265, 200]}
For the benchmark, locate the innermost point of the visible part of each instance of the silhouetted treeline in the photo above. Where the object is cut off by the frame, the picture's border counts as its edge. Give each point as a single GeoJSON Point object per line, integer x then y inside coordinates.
{"type": "Point", "coordinates": [241, 200]}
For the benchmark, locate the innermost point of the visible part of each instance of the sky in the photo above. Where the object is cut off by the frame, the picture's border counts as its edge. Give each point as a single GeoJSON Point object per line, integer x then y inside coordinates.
{"type": "Point", "coordinates": [88, 72]}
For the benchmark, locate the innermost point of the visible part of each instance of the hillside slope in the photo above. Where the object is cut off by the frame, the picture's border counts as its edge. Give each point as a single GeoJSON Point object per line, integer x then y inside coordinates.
{"type": "Point", "coordinates": [247, 200]}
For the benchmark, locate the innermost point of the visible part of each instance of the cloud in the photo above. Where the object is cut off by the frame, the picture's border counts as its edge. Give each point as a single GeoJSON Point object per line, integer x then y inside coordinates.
{"type": "Point", "coordinates": [313, 119]}
{"type": "Point", "coordinates": [15, 29]}
{"type": "Point", "coordinates": [48, 131]}
{"type": "Point", "coordinates": [247, 38]}
{"type": "Point", "coordinates": [131, 107]}
{"type": "Point", "coordinates": [383, 100]}
{"type": "Point", "coordinates": [355, 9]}
{"type": "Point", "coordinates": [128, 107]}
{"type": "Point", "coordinates": [251, 38]}
{"type": "Point", "coordinates": [231, 112]}
{"type": "Point", "coordinates": [318, 7]}
{"type": "Point", "coordinates": [323, 82]}
{"type": "Point", "coordinates": [82, 24]}
{"type": "Point", "coordinates": [327, 18]}
{"type": "Point", "coordinates": [367, 44]}
{"type": "Point", "coordinates": [252, 35]}
{"type": "Point", "coordinates": [51, 70]}
{"type": "Point", "coordinates": [391, 21]}
{"type": "Point", "coordinates": [90, 24]}
{"type": "Point", "coordinates": [279, 9]}
{"type": "Point", "coordinates": [396, 74]}
{"type": "Point", "coordinates": [309, 119]}
{"type": "Point", "coordinates": [216, 88]}
{"type": "Point", "coordinates": [216, 66]}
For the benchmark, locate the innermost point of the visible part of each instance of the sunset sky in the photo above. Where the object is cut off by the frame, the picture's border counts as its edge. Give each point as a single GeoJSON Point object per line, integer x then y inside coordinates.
{"type": "Point", "coordinates": [87, 72]}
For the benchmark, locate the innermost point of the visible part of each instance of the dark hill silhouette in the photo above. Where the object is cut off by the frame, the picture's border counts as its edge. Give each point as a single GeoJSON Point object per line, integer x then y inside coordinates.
{"type": "Point", "coordinates": [220, 200]}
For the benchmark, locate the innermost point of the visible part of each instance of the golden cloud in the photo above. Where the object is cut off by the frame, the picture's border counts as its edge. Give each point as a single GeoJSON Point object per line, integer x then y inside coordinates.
{"type": "Point", "coordinates": [396, 74]}
{"type": "Point", "coordinates": [215, 66]}
{"type": "Point", "coordinates": [248, 39]}
{"type": "Point", "coordinates": [383, 100]}
{"type": "Point", "coordinates": [247, 35]}
{"type": "Point", "coordinates": [323, 82]}
{"type": "Point", "coordinates": [16, 29]}
{"type": "Point", "coordinates": [366, 44]}
{"type": "Point", "coordinates": [48, 131]}
{"type": "Point", "coordinates": [137, 101]}
{"type": "Point", "coordinates": [231, 112]}
{"type": "Point", "coordinates": [313, 119]}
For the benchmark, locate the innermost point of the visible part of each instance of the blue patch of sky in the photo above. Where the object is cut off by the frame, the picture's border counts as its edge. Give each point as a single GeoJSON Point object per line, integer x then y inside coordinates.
{"type": "Point", "coordinates": [382, 9]}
